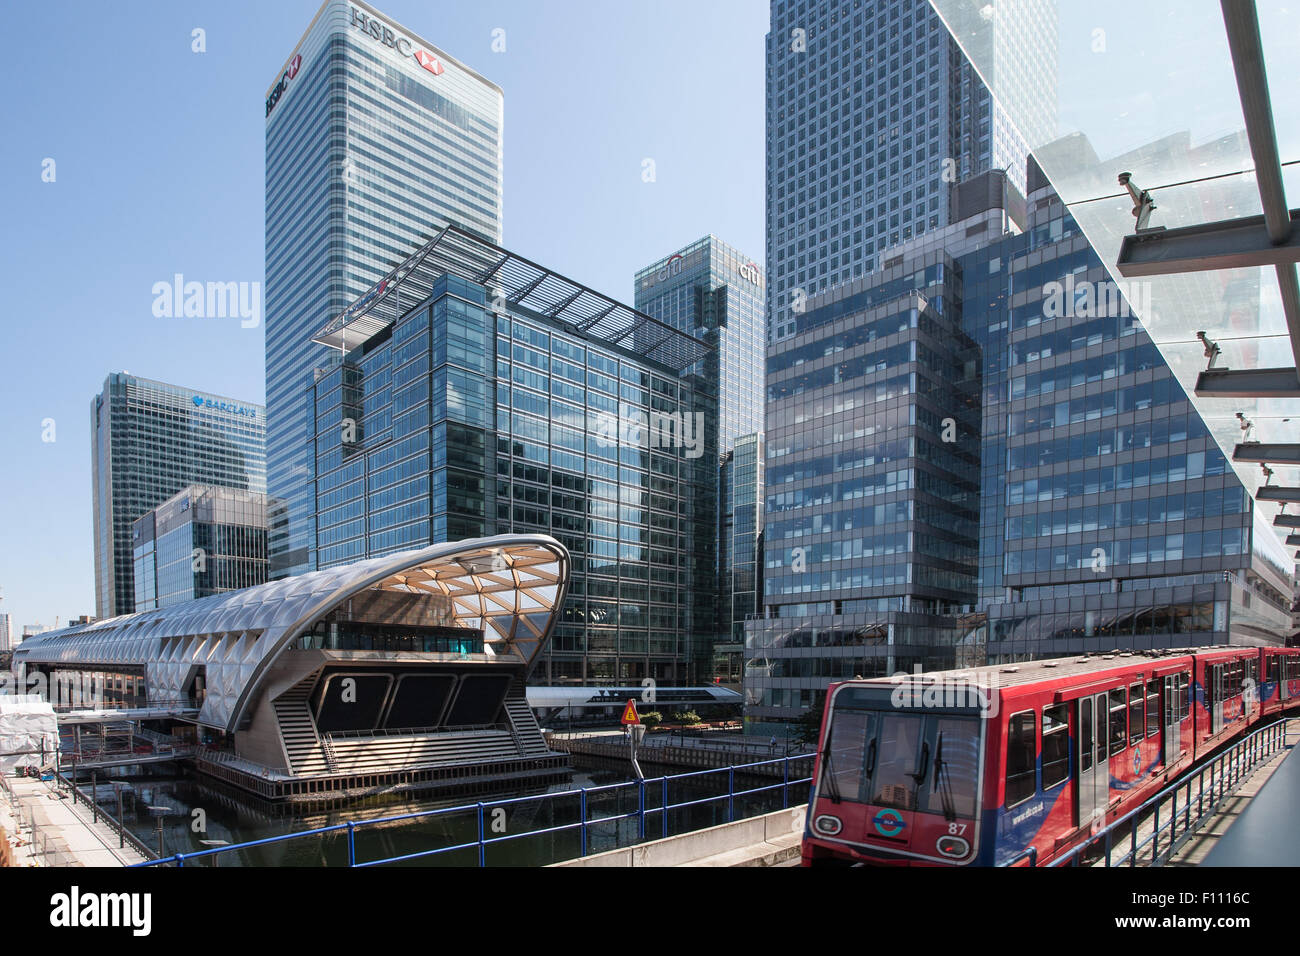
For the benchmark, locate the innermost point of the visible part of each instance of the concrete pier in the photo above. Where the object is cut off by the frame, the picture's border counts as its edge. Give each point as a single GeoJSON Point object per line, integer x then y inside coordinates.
{"type": "Point", "coordinates": [44, 828]}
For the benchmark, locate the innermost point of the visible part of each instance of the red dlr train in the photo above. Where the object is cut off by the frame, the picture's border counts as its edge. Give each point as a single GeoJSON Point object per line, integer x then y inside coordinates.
{"type": "Point", "coordinates": [975, 767]}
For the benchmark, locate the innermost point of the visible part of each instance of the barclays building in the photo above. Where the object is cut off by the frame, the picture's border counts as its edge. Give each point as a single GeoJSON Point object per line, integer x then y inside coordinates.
{"type": "Point", "coordinates": [149, 441]}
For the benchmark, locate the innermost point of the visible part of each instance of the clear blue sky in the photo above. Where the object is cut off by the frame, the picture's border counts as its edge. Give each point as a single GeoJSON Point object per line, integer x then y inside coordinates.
{"type": "Point", "coordinates": [158, 157]}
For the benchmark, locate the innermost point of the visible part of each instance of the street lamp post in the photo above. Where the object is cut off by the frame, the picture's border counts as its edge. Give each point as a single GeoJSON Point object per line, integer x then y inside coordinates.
{"type": "Point", "coordinates": [160, 812]}
{"type": "Point", "coordinates": [216, 857]}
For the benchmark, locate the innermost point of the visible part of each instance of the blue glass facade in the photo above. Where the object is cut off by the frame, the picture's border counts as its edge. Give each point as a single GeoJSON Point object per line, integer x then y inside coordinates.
{"type": "Point", "coordinates": [740, 552]}
{"type": "Point", "coordinates": [203, 541]}
{"type": "Point", "coordinates": [149, 441]}
{"type": "Point", "coordinates": [712, 290]}
{"type": "Point", "coordinates": [473, 416]}
{"type": "Point", "coordinates": [1040, 487]}
{"type": "Point", "coordinates": [374, 139]}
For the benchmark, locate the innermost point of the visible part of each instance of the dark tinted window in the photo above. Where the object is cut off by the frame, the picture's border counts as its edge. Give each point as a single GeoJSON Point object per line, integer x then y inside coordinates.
{"type": "Point", "coordinates": [1136, 720]}
{"type": "Point", "coordinates": [1118, 721]}
{"type": "Point", "coordinates": [1021, 753]}
{"type": "Point", "coordinates": [1153, 707]}
{"type": "Point", "coordinates": [1056, 745]}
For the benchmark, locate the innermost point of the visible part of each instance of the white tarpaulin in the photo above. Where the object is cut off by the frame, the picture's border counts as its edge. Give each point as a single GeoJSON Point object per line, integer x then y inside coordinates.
{"type": "Point", "coordinates": [27, 724]}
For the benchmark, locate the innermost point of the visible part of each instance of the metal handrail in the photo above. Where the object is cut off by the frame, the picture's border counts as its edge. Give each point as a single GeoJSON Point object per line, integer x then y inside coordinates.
{"type": "Point", "coordinates": [669, 739]}
{"type": "Point", "coordinates": [412, 731]}
{"type": "Point", "coordinates": [1261, 744]}
{"type": "Point", "coordinates": [585, 821]}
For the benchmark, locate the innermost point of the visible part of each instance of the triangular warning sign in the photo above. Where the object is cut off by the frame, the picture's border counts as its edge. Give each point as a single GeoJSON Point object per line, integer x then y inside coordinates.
{"type": "Point", "coordinates": [630, 714]}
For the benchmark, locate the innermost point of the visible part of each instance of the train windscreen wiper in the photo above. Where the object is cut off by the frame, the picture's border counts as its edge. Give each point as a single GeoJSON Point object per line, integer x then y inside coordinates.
{"type": "Point", "coordinates": [942, 782]}
{"type": "Point", "coordinates": [828, 771]}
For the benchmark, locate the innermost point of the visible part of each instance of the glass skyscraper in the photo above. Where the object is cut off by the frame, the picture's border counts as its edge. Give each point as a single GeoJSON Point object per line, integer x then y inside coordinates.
{"type": "Point", "coordinates": [150, 440]}
{"type": "Point", "coordinates": [374, 139]}
{"type": "Point", "coordinates": [740, 552]}
{"type": "Point", "coordinates": [714, 291]}
{"type": "Point", "coordinates": [873, 113]}
{"type": "Point", "coordinates": [495, 396]}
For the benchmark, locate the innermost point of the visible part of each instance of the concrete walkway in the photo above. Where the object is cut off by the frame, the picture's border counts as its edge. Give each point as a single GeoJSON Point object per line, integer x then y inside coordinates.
{"type": "Point", "coordinates": [45, 829]}
{"type": "Point", "coordinates": [1238, 835]}
{"type": "Point", "coordinates": [769, 840]}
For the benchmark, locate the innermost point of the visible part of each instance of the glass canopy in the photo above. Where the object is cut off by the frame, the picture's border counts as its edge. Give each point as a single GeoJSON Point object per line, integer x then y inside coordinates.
{"type": "Point", "coordinates": [1104, 87]}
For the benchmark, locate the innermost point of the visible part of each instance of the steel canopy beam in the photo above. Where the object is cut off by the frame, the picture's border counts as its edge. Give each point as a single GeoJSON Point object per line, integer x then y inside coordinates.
{"type": "Point", "coordinates": [1274, 493]}
{"type": "Point", "coordinates": [1293, 540]}
{"type": "Point", "coordinates": [1248, 383]}
{"type": "Point", "coordinates": [1287, 521]}
{"type": "Point", "coordinates": [1241, 23]}
{"type": "Point", "coordinates": [1284, 454]}
{"type": "Point", "coordinates": [1229, 244]}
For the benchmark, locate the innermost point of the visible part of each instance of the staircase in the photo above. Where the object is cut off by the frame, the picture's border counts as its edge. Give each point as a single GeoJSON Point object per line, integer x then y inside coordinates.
{"type": "Point", "coordinates": [523, 727]}
{"type": "Point", "coordinates": [382, 754]}
{"type": "Point", "coordinates": [302, 745]}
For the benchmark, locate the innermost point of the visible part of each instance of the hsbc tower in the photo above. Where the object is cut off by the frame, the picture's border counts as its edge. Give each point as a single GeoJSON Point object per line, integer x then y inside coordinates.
{"type": "Point", "coordinates": [375, 139]}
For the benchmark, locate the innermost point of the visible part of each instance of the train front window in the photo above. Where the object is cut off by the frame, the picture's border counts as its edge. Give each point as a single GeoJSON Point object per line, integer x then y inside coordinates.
{"type": "Point", "coordinates": [845, 763]}
{"type": "Point", "coordinates": [899, 765]}
{"type": "Point", "coordinates": [956, 772]}
{"type": "Point", "coordinates": [903, 761]}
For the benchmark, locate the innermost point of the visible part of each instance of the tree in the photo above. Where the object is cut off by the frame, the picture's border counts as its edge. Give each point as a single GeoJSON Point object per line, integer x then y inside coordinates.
{"type": "Point", "coordinates": [808, 726]}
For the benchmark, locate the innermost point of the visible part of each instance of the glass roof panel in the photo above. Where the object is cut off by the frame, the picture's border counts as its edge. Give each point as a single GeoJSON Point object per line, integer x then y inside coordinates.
{"type": "Point", "coordinates": [1105, 87]}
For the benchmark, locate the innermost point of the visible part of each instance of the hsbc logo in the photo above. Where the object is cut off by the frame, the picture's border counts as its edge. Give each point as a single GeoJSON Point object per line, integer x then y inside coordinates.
{"type": "Point", "coordinates": [378, 30]}
{"type": "Point", "coordinates": [428, 61]}
{"type": "Point", "coordinates": [283, 85]}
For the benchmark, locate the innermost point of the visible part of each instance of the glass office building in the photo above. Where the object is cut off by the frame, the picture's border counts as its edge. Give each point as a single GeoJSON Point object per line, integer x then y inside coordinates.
{"type": "Point", "coordinates": [1039, 486]}
{"type": "Point", "coordinates": [203, 540]}
{"type": "Point", "coordinates": [873, 113]}
{"type": "Point", "coordinates": [373, 136]}
{"type": "Point", "coordinates": [740, 553]}
{"type": "Point", "coordinates": [484, 394]}
{"type": "Point", "coordinates": [714, 291]}
{"type": "Point", "coordinates": [149, 441]}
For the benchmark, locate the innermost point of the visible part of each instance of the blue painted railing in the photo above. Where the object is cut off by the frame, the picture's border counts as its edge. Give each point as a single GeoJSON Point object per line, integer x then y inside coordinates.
{"type": "Point", "coordinates": [483, 810]}
{"type": "Point", "coordinates": [1177, 803]}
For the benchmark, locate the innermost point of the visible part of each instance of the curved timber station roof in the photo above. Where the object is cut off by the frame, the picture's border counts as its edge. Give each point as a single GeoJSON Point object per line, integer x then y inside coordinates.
{"type": "Point", "coordinates": [509, 587]}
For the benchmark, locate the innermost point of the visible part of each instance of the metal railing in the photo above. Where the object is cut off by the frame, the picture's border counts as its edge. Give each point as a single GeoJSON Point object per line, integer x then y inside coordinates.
{"type": "Point", "coordinates": [784, 748]}
{"type": "Point", "coordinates": [101, 814]}
{"type": "Point", "coordinates": [411, 731]}
{"type": "Point", "coordinates": [1202, 792]}
{"type": "Point", "coordinates": [39, 835]}
{"type": "Point", "coordinates": [483, 814]}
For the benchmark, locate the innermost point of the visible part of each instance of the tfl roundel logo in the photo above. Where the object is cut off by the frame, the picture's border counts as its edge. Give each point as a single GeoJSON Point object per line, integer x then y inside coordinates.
{"type": "Point", "coordinates": [889, 823]}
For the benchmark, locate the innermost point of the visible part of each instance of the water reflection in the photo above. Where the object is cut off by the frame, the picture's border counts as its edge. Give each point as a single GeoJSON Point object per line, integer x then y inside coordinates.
{"type": "Point", "coordinates": [198, 810]}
